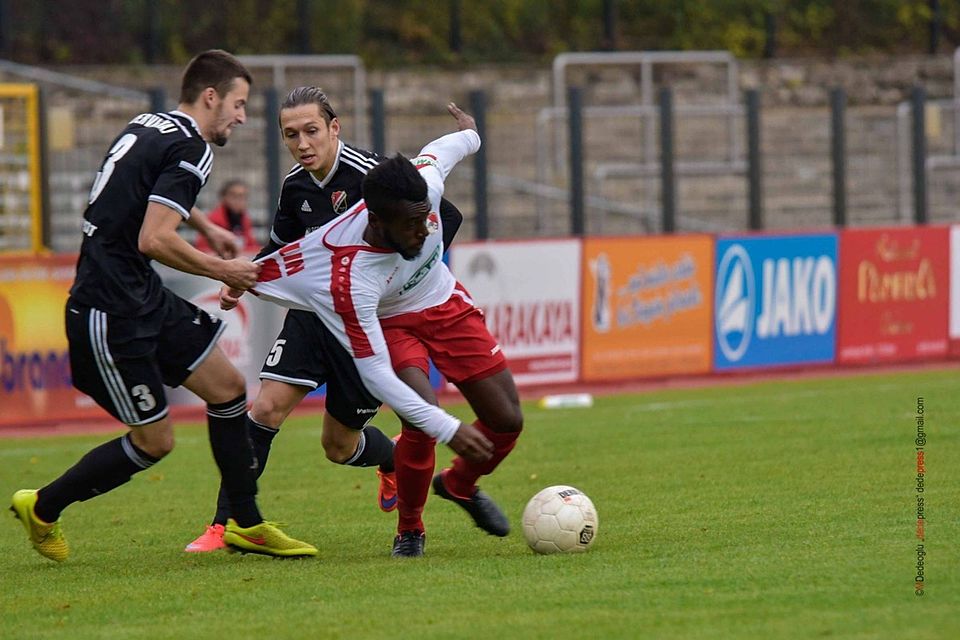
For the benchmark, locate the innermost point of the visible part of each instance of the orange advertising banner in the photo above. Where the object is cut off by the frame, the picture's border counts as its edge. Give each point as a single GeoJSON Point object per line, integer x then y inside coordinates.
{"type": "Point", "coordinates": [35, 383]}
{"type": "Point", "coordinates": [647, 306]}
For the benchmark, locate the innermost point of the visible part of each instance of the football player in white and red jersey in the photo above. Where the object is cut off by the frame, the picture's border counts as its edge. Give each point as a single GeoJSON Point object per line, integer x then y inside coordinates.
{"type": "Point", "coordinates": [323, 184]}
{"type": "Point", "coordinates": [375, 278]}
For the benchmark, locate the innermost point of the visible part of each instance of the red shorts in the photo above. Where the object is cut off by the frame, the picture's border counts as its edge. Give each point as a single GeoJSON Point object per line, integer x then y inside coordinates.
{"type": "Point", "coordinates": [452, 334]}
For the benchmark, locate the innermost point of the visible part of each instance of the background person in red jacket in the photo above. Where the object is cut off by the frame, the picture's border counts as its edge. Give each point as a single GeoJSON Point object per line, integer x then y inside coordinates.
{"type": "Point", "coordinates": [231, 214]}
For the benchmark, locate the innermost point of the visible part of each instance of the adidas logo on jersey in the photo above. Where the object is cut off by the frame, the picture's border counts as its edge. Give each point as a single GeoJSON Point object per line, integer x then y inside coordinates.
{"type": "Point", "coordinates": [306, 207]}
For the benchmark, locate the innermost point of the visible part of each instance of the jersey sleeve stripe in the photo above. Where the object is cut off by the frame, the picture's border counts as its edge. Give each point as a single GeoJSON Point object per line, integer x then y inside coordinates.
{"type": "Point", "coordinates": [194, 170]}
{"type": "Point", "coordinates": [206, 162]}
{"type": "Point", "coordinates": [295, 170]}
{"type": "Point", "coordinates": [347, 151]}
{"type": "Point", "coordinates": [276, 238]}
{"type": "Point", "coordinates": [362, 168]}
{"type": "Point", "coordinates": [170, 203]}
{"type": "Point", "coordinates": [340, 284]}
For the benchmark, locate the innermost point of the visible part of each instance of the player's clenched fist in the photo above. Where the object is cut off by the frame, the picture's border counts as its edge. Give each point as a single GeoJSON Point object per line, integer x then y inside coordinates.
{"type": "Point", "coordinates": [239, 273]}
{"type": "Point", "coordinates": [229, 297]}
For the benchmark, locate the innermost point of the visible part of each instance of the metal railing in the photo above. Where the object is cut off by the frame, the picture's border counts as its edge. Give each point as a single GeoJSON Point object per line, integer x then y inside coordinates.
{"type": "Point", "coordinates": [646, 60]}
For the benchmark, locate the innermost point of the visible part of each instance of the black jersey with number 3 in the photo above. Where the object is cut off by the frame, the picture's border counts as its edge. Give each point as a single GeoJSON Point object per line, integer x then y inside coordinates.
{"type": "Point", "coordinates": [158, 157]}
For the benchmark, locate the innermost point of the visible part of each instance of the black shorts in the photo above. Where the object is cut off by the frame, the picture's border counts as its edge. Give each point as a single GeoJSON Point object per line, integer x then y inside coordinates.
{"type": "Point", "coordinates": [123, 363]}
{"type": "Point", "coordinates": [306, 354]}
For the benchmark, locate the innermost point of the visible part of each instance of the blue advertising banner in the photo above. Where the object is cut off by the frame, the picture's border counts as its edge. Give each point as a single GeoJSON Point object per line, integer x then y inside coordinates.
{"type": "Point", "coordinates": [775, 302]}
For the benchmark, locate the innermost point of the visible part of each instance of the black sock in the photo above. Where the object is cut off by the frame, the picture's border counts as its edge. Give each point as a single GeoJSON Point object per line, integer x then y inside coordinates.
{"type": "Point", "coordinates": [233, 452]}
{"type": "Point", "coordinates": [262, 437]}
{"type": "Point", "coordinates": [99, 471]}
{"type": "Point", "coordinates": [374, 448]}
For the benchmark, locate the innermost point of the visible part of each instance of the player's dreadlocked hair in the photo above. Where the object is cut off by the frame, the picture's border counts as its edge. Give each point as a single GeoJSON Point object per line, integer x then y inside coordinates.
{"type": "Point", "coordinates": [391, 181]}
{"type": "Point", "coordinates": [310, 95]}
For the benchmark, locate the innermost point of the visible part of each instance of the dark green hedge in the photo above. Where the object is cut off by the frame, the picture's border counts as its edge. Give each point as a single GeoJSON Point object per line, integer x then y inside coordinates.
{"type": "Point", "coordinates": [400, 32]}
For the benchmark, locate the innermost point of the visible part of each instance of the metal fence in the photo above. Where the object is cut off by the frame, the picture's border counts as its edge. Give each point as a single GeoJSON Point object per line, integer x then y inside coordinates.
{"type": "Point", "coordinates": [713, 181]}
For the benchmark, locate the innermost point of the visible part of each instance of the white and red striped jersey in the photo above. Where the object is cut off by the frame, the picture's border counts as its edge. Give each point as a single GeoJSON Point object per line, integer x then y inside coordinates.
{"type": "Point", "coordinates": [349, 284]}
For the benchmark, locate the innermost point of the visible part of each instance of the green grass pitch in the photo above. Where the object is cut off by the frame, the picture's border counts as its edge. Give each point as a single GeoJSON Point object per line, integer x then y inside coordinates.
{"type": "Point", "coordinates": [765, 510]}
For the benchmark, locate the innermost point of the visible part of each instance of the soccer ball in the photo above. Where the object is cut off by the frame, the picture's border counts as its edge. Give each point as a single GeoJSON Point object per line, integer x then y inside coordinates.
{"type": "Point", "coordinates": [560, 519]}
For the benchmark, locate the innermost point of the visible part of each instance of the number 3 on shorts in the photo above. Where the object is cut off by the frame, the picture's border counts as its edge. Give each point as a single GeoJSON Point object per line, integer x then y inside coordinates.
{"type": "Point", "coordinates": [274, 356]}
{"type": "Point", "coordinates": [145, 399]}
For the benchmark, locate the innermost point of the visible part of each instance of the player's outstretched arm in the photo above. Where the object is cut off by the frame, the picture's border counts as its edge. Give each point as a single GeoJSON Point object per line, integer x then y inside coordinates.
{"type": "Point", "coordinates": [443, 154]}
{"type": "Point", "coordinates": [159, 240]}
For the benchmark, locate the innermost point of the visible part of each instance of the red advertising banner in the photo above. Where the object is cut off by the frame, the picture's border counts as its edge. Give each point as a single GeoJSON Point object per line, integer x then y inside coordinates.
{"type": "Point", "coordinates": [647, 307]}
{"type": "Point", "coordinates": [35, 384]}
{"type": "Point", "coordinates": [894, 294]}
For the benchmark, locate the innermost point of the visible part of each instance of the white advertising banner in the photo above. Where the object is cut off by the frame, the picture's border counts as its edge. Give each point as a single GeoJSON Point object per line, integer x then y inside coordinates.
{"type": "Point", "coordinates": [530, 294]}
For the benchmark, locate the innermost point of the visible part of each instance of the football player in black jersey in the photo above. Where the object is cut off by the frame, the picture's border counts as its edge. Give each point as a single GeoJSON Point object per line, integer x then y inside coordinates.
{"type": "Point", "coordinates": [324, 183]}
{"type": "Point", "coordinates": [129, 335]}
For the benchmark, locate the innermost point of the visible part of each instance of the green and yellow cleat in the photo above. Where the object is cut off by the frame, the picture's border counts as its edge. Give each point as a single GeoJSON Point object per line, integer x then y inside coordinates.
{"type": "Point", "coordinates": [265, 538]}
{"type": "Point", "coordinates": [46, 538]}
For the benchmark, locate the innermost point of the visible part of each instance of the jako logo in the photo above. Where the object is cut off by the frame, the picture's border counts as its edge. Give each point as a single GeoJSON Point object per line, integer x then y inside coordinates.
{"type": "Point", "coordinates": [735, 303]}
{"type": "Point", "coordinates": [797, 298]}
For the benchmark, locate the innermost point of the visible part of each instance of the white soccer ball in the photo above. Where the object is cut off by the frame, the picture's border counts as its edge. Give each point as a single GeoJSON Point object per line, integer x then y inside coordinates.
{"type": "Point", "coordinates": [560, 519]}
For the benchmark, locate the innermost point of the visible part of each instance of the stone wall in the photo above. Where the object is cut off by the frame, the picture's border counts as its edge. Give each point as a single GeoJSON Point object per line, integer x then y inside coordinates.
{"type": "Point", "coordinates": [795, 134]}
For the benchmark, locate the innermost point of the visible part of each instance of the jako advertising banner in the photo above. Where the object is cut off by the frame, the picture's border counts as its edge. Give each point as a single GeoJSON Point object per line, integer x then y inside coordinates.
{"type": "Point", "coordinates": [894, 302]}
{"type": "Point", "coordinates": [775, 301]}
{"type": "Point", "coordinates": [530, 296]}
{"type": "Point", "coordinates": [648, 304]}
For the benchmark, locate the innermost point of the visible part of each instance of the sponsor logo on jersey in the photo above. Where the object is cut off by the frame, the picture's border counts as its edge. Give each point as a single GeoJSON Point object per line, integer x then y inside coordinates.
{"type": "Point", "coordinates": [305, 207]}
{"type": "Point", "coordinates": [422, 161]}
{"type": "Point", "coordinates": [339, 201]}
{"type": "Point", "coordinates": [422, 272]}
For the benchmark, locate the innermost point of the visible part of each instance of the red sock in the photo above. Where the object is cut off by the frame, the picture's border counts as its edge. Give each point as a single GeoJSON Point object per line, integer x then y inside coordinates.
{"type": "Point", "coordinates": [414, 460]}
{"type": "Point", "coordinates": [461, 479]}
